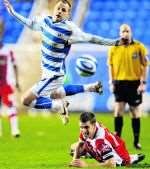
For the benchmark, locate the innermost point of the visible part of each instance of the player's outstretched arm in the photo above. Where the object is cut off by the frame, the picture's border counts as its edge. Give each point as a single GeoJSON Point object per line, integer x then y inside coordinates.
{"type": "Point", "coordinates": [82, 164]}
{"type": "Point", "coordinates": [78, 36]}
{"type": "Point", "coordinates": [109, 163]}
{"type": "Point", "coordinates": [78, 163]}
{"type": "Point", "coordinates": [89, 38]}
{"type": "Point", "coordinates": [25, 21]}
{"type": "Point", "coordinates": [102, 41]}
{"type": "Point", "coordinates": [8, 7]}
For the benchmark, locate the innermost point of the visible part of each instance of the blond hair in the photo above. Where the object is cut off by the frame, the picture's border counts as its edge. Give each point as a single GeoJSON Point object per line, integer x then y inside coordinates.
{"type": "Point", "coordinates": [65, 2]}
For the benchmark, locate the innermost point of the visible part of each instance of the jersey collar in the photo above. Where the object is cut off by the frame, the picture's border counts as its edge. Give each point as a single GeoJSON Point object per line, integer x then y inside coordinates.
{"type": "Point", "coordinates": [118, 42]}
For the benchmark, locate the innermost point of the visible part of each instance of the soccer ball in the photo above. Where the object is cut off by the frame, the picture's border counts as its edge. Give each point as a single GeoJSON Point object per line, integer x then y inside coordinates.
{"type": "Point", "coordinates": [86, 65]}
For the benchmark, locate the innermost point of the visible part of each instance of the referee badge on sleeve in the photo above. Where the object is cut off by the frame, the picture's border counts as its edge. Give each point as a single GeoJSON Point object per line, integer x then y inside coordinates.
{"type": "Point", "coordinates": [135, 55]}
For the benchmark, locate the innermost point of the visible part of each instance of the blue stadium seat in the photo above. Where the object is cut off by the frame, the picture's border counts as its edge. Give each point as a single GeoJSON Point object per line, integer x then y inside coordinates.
{"type": "Point", "coordinates": [12, 27]}
{"type": "Point", "coordinates": [104, 18]}
{"type": "Point", "coordinates": [97, 5]}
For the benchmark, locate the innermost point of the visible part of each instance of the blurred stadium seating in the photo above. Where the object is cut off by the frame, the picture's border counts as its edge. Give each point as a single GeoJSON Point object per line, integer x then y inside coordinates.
{"type": "Point", "coordinates": [74, 7]}
{"type": "Point", "coordinates": [105, 17]}
{"type": "Point", "coordinates": [13, 28]}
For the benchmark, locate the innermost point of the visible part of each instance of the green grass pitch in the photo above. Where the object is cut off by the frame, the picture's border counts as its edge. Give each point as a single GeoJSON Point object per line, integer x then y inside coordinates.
{"type": "Point", "coordinates": [45, 142]}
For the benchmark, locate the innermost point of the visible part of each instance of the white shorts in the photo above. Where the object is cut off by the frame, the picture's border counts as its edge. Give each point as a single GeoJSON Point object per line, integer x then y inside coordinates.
{"type": "Point", "coordinates": [45, 86]}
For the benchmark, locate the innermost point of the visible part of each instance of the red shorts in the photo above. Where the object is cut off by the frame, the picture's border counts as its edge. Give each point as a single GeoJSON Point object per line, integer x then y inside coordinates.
{"type": "Point", "coordinates": [5, 92]}
{"type": "Point", "coordinates": [119, 146]}
{"type": "Point", "coordinates": [122, 151]}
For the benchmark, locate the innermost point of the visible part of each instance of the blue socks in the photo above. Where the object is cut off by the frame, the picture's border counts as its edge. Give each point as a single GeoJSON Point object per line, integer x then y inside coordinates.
{"type": "Point", "coordinates": [73, 89]}
{"type": "Point", "coordinates": [46, 103]}
{"type": "Point", "coordinates": [43, 103]}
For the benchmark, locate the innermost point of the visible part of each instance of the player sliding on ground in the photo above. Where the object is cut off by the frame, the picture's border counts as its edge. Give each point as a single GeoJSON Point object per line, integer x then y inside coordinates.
{"type": "Point", "coordinates": [58, 33]}
{"type": "Point", "coordinates": [98, 142]}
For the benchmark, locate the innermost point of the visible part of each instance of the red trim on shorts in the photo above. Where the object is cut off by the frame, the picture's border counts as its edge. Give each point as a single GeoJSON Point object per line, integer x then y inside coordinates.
{"type": "Point", "coordinates": [5, 91]}
{"type": "Point", "coordinates": [12, 115]}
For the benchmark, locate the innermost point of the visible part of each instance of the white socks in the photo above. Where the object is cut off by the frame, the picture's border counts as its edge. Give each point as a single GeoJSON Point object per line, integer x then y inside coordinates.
{"type": "Point", "coordinates": [90, 87]}
{"type": "Point", "coordinates": [57, 104]}
{"type": "Point", "coordinates": [13, 121]}
{"type": "Point", "coordinates": [1, 127]}
{"type": "Point", "coordinates": [133, 157]}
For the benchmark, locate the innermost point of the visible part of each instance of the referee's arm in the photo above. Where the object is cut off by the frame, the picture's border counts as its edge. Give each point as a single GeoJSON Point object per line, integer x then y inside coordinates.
{"type": "Point", "coordinates": [144, 63]}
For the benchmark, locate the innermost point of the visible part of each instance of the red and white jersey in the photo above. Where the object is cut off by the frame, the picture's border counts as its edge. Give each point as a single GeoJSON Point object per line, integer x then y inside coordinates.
{"type": "Point", "coordinates": [7, 61]}
{"type": "Point", "coordinates": [105, 145]}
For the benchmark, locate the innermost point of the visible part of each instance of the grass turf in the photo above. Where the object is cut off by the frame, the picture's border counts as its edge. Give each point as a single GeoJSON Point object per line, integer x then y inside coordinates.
{"type": "Point", "coordinates": [45, 142]}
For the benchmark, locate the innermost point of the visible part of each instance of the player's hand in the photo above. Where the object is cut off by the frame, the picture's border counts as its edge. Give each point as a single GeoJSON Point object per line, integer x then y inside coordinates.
{"type": "Point", "coordinates": [141, 88]}
{"type": "Point", "coordinates": [78, 163]}
{"type": "Point", "coordinates": [8, 6]}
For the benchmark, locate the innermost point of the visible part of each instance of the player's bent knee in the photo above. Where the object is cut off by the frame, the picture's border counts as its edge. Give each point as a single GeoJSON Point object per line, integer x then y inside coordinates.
{"type": "Point", "coordinates": [55, 95]}
{"type": "Point", "coordinates": [136, 115]}
{"type": "Point", "coordinates": [118, 114]}
{"type": "Point", "coordinates": [28, 98]}
{"type": "Point", "coordinates": [135, 112]}
{"type": "Point", "coordinates": [25, 101]}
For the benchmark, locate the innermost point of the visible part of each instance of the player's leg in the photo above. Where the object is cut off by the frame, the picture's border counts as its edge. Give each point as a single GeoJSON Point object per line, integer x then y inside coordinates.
{"type": "Point", "coordinates": [118, 117]}
{"type": "Point", "coordinates": [119, 87]}
{"type": "Point", "coordinates": [28, 97]}
{"type": "Point", "coordinates": [9, 101]}
{"type": "Point", "coordinates": [39, 97]}
{"type": "Point", "coordinates": [120, 148]}
{"type": "Point", "coordinates": [1, 130]}
{"type": "Point", "coordinates": [14, 123]}
{"type": "Point", "coordinates": [43, 102]}
{"type": "Point", "coordinates": [136, 124]}
{"type": "Point", "coordinates": [58, 105]}
{"type": "Point", "coordinates": [94, 87]}
{"type": "Point", "coordinates": [134, 100]}
{"type": "Point", "coordinates": [68, 90]}
{"type": "Point", "coordinates": [136, 158]}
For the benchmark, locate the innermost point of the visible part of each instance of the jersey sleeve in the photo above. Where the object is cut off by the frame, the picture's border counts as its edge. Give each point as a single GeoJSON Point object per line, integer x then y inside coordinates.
{"type": "Point", "coordinates": [143, 55]}
{"type": "Point", "coordinates": [78, 36]}
{"type": "Point", "coordinates": [37, 23]}
{"type": "Point", "coordinates": [104, 150]}
{"type": "Point", "coordinates": [33, 23]}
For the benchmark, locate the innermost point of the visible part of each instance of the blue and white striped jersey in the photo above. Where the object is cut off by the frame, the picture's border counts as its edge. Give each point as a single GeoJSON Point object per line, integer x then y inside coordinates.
{"type": "Point", "coordinates": [57, 38]}
{"type": "Point", "coordinates": [55, 47]}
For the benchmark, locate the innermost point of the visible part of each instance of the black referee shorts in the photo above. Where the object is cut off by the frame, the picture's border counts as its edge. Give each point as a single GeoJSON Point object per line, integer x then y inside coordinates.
{"type": "Point", "coordinates": [126, 91]}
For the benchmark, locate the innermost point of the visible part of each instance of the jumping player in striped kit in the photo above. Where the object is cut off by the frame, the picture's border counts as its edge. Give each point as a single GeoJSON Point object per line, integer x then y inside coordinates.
{"type": "Point", "coordinates": [58, 33]}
